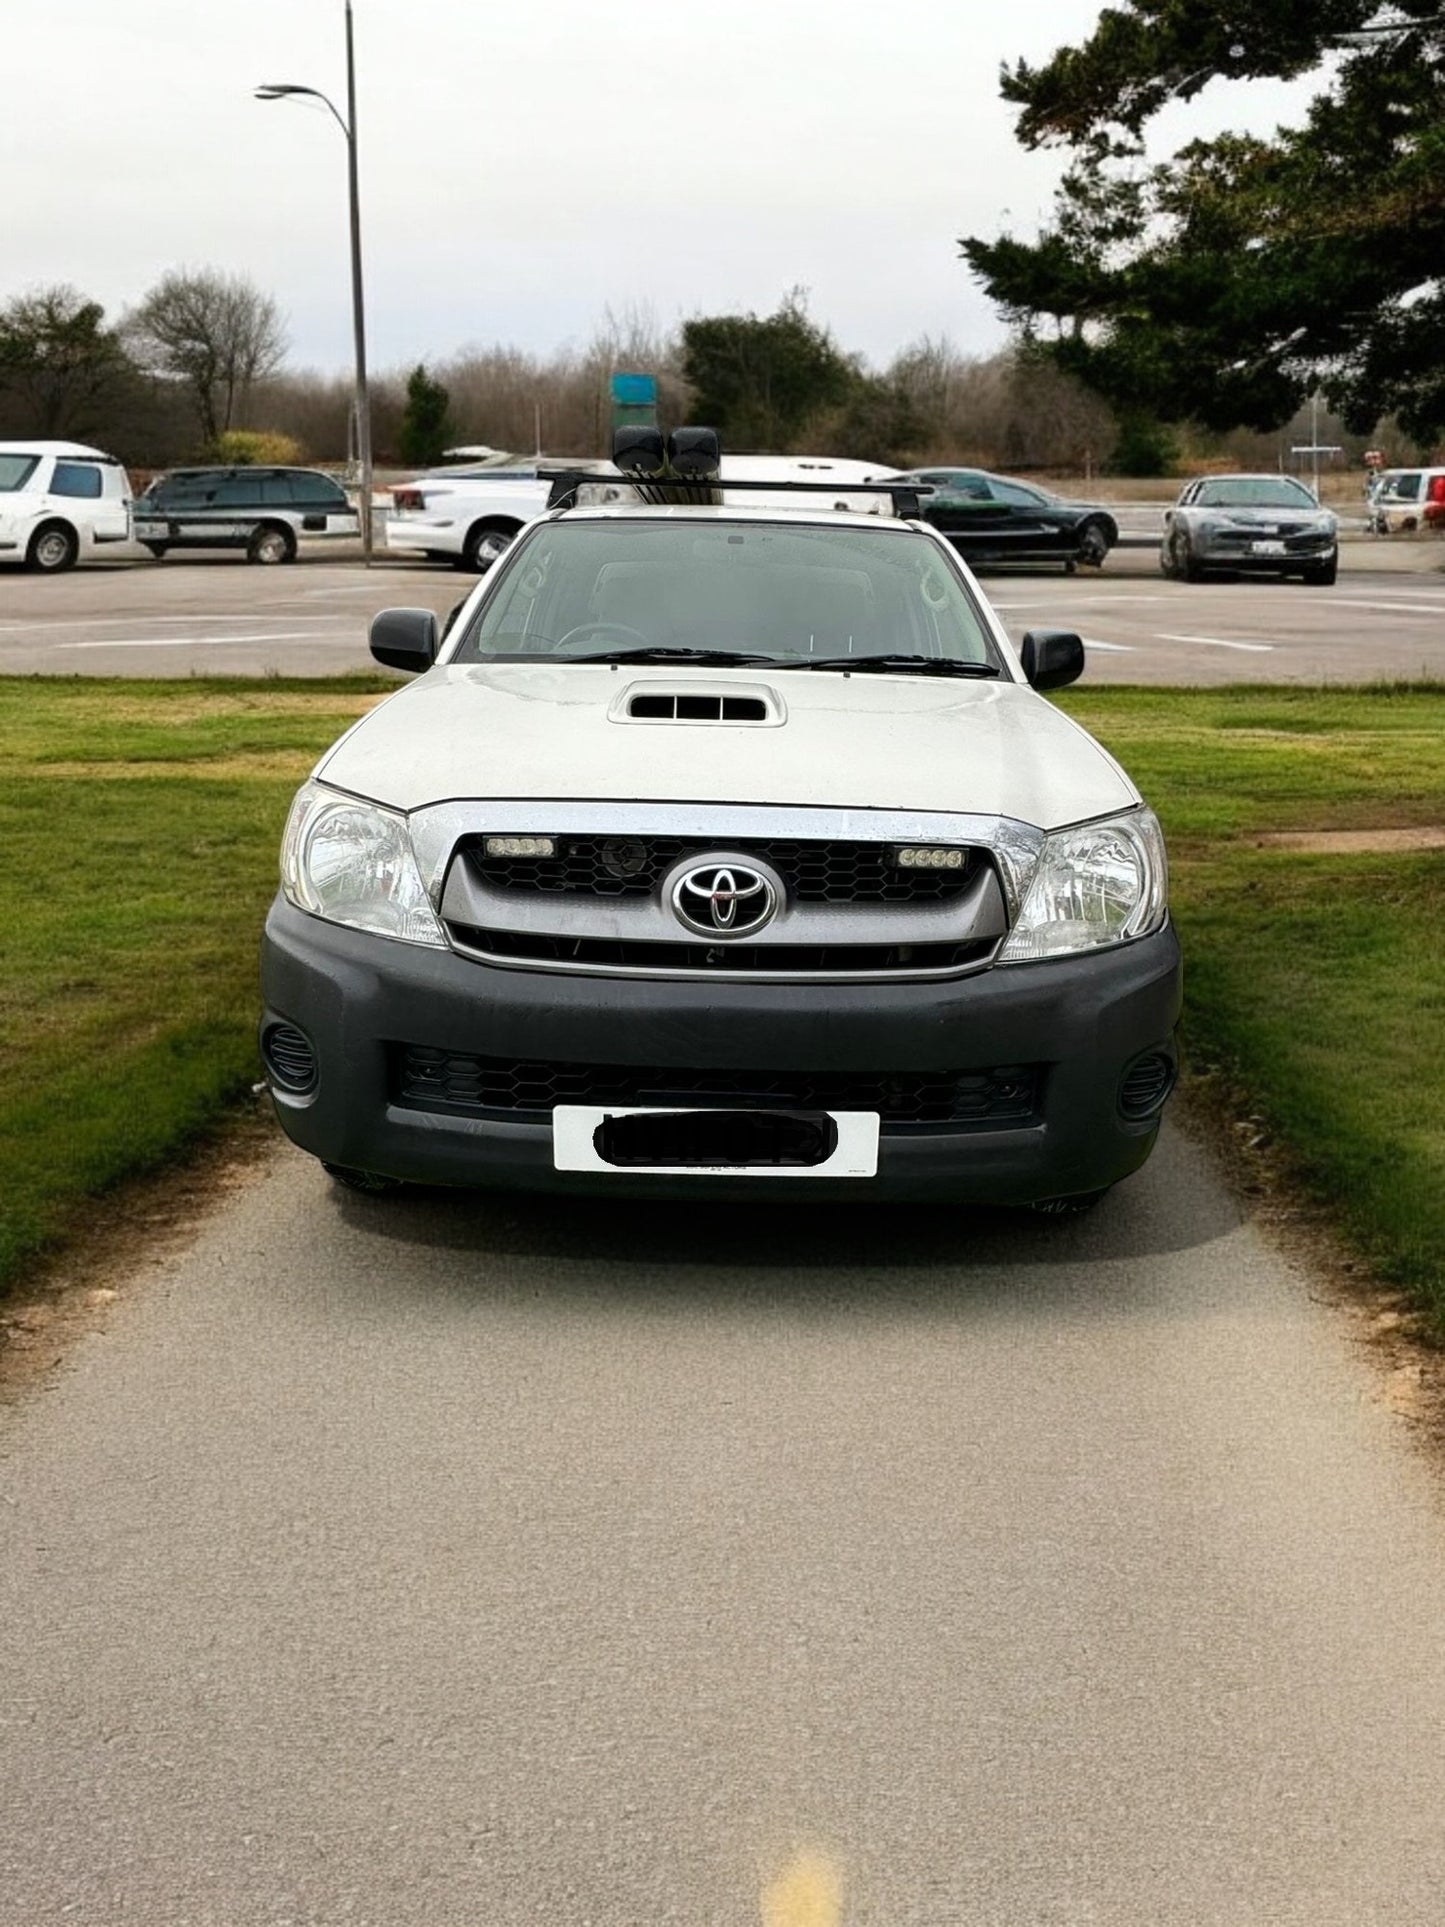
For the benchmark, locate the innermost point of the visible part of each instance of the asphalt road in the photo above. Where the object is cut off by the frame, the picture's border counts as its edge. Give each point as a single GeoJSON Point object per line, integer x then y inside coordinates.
{"type": "Point", "coordinates": [1384, 618]}
{"type": "Point", "coordinates": [469, 1563]}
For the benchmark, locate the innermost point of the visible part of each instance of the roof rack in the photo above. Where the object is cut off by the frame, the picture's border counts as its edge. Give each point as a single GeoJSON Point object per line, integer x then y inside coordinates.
{"type": "Point", "coordinates": [906, 497]}
{"type": "Point", "coordinates": [686, 467]}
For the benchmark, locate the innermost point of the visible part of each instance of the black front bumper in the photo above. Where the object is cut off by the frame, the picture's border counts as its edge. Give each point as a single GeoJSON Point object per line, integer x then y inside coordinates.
{"type": "Point", "coordinates": [1083, 1022]}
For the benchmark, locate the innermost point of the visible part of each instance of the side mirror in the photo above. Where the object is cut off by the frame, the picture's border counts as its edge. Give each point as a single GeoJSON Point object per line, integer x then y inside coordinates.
{"type": "Point", "coordinates": [1052, 657]}
{"type": "Point", "coordinates": [405, 639]}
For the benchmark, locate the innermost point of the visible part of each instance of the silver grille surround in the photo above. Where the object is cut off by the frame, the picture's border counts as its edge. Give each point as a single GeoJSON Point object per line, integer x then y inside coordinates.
{"type": "Point", "coordinates": [981, 914]}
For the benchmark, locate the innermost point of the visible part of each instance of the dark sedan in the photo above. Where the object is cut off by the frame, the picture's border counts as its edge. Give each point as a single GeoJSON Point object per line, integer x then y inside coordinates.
{"type": "Point", "coordinates": [990, 518]}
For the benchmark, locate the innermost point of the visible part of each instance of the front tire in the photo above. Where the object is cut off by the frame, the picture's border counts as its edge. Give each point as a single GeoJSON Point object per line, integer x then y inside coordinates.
{"type": "Point", "coordinates": [1322, 575]}
{"type": "Point", "coordinates": [1185, 568]}
{"type": "Point", "coordinates": [486, 544]}
{"type": "Point", "coordinates": [1093, 545]}
{"type": "Point", "coordinates": [271, 544]}
{"type": "Point", "coordinates": [53, 549]}
{"type": "Point", "coordinates": [157, 549]}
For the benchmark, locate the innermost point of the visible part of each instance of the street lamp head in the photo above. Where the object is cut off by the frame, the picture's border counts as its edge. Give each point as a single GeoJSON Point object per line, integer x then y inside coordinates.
{"type": "Point", "coordinates": [278, 90]}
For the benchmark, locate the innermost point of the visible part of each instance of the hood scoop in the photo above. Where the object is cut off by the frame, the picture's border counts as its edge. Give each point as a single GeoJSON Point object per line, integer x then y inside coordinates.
{"type": "Point", "coordinates": [698, 702]}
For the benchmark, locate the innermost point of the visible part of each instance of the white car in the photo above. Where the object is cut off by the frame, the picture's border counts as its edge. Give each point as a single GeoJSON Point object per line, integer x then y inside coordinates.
{"type": "Point", "coordinates": [60, 503]}
{"type": "Point", "coordinates": [465, 516]}
{"type": "Point", "coordinates": [723, 847]}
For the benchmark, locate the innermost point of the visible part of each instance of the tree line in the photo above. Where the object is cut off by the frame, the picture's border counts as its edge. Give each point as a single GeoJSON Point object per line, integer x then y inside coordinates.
{"type": "Point", "coordinates": [1227, 283]}
{"type": "Point", "coordinates": [197, 370]}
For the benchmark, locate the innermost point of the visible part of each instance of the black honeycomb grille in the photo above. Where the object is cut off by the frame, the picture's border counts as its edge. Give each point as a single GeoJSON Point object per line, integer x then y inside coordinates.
{"type": "Point", "coordinates": [817, 871]}
{"type": "Point", "coordinates": [432, 1079]}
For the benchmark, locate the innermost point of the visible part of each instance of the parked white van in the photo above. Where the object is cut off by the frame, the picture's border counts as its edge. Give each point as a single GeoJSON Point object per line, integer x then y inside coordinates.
{"type": "Point", "coordinates": [59, 503]}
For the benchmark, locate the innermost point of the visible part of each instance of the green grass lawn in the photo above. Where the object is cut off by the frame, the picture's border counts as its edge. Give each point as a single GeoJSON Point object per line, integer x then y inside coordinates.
{"type": "Point", "coordinates": [1313, 981]}
{"type": "Point", "coordinates": [141, 822]}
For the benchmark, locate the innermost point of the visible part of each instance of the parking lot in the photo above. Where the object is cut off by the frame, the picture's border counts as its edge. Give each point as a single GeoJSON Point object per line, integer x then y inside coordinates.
{"type": "Point", "coordinates": [1385, 618]}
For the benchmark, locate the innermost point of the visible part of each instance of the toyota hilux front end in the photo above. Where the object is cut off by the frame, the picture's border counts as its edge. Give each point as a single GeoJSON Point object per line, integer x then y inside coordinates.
{"type": "Point", "coordinates": [723, 849]}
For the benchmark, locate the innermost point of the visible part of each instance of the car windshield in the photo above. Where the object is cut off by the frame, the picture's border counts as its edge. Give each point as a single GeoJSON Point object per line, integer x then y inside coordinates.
{"type": "Point", "coordinates": [1254, 492]}
{"type": "Point", "coordinates": [783, 595]}
{"type": "Point", "coordinates": [15, 471]}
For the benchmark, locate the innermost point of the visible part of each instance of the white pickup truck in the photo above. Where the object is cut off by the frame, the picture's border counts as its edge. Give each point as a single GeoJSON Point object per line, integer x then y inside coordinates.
{"type": "Point", "coordinates": [723, 846]}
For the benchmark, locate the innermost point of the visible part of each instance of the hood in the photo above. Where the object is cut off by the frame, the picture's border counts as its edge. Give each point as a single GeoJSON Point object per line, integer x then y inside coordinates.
{"type": "Point", "coordinates": [522, 730]}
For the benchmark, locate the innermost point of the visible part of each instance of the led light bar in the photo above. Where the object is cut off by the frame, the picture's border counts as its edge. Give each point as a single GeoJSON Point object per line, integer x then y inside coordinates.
{"type": "Point", "coordinates": [521, 846]}
{"type": "Point", "coordinates": [914, 858]}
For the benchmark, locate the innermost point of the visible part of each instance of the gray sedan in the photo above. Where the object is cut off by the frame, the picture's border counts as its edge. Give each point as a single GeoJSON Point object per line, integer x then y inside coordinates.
{"type": "Point", "coordinates": [1255, 524]}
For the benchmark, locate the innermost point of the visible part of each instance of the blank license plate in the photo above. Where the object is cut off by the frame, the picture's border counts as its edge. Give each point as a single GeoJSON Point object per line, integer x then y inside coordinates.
{"type": "Point", "coordinates": [1266, 548]}
{"type": "Point", "coordinates": [716, 1143]}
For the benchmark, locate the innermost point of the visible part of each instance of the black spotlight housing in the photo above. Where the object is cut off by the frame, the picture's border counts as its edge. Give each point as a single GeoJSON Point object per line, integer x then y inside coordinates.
{"type": "Point", "coordinates": [694, 453]}
{"type": "Point", "coordinates": [639, 451]}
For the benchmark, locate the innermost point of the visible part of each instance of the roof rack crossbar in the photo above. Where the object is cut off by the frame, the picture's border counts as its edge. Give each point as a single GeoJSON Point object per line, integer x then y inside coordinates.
{"type": "Point", "coordinates": [657, 491]}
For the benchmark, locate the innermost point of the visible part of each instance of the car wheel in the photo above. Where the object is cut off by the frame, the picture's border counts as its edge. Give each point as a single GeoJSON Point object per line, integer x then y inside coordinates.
{"type": "Point", "coordinates": [371, 1183]}
{"type": "Point", "coordinates": [1093, 545]}
{"type": "Point", "coordinates": [1322, 574]}
{"type": "Point", "coordinates": [273, 542]}
{"type": "Point", "coordinates": [53, 548]}
{"type": "Point", "coordinates": [157, 549]}
{"type": "Point", "coordinates": [485, 543]}
{"type": "Point", "coordinates": [1070, 566]}
{"type": "Point", "coordinates": [1185, 566]}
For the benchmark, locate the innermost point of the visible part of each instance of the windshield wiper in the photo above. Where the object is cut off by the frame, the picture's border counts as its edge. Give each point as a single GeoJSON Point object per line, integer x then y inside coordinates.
{"type": "Point", "coordinates": [725, 657]}
{"type": "Point", "coordinates": [915, 665]}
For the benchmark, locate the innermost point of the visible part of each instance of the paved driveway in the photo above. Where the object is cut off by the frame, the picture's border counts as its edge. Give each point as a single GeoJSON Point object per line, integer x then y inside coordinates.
{"type": "Point", "coordinates": [466, 1563]}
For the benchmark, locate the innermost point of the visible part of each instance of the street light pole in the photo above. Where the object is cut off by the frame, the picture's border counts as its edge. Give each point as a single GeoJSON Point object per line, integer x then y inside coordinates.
{"type": "Point", "coordinates": [285, 90]}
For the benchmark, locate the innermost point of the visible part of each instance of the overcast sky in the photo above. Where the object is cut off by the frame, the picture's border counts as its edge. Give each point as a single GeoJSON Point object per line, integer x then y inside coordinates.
{"type": "Point", "coordinates": [527, 163]}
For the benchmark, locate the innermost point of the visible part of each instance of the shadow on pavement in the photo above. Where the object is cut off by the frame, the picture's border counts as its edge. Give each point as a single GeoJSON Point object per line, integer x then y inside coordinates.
{"type": "Point", "coordinates": [799, 1252]}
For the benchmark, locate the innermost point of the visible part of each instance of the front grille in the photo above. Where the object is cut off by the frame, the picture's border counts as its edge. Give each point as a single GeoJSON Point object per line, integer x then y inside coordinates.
{"type": "Point", "coordinates": [437, 1080]}
{"type": "Point", "coordinates": [801, 959]}
{"type": "Point", "coordinates": [1295, 544]}
{"type": "Point", "coordinates": [633, 866]}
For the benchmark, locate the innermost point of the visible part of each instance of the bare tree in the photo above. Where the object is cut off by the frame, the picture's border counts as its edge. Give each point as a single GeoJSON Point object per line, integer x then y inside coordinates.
{"type": "Point", "coordinates": [216, 333]}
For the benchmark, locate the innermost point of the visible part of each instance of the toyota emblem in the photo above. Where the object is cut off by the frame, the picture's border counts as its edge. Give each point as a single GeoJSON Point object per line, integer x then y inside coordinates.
{"type": "Point", "coordinates": [724, 899]}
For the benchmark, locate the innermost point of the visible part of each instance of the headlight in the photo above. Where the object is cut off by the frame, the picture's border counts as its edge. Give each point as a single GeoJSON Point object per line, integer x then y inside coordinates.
{"type": "Point", "coordinates": [352, 863]}
{"type": "Point", "coordinates": [1102, 883]}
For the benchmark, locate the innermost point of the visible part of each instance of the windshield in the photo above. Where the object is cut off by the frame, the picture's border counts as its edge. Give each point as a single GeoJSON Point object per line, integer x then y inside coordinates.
{"type": "Point", "coordinates": [784, 595]}
{"type": "Point", "coordinates": [1254, 492]}
{"type": "Point", "coordinates": [15, 471]}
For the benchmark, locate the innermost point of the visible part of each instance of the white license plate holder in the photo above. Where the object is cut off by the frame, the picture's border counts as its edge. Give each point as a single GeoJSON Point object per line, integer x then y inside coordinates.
{"type": "Point", "coordinates": [576, 1129]}
{"type": "Point", "coordinates": [1267, 548]}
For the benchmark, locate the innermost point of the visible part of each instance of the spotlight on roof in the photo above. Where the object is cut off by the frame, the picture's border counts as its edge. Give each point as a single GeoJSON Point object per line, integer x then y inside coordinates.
{"type": "Point", "coordinates": [639, 451]}
{"type": "Point", "coordinates": [694, 453]}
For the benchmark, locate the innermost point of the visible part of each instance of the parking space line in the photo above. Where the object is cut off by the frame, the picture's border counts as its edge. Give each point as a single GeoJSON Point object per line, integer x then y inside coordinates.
{"type": "Point", "coordinates": [1110, 648]}
{"type": "Point", "coordinates": [1103, 595]}
{"type": "Point", "coordinates": [1387, 603]}
{"type": "Point", "coordinates": [120, 622]}
{"type": "Point", "coordinates": [1222, 642]}
{"type": "Point", "coordinates": [203, 642]}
